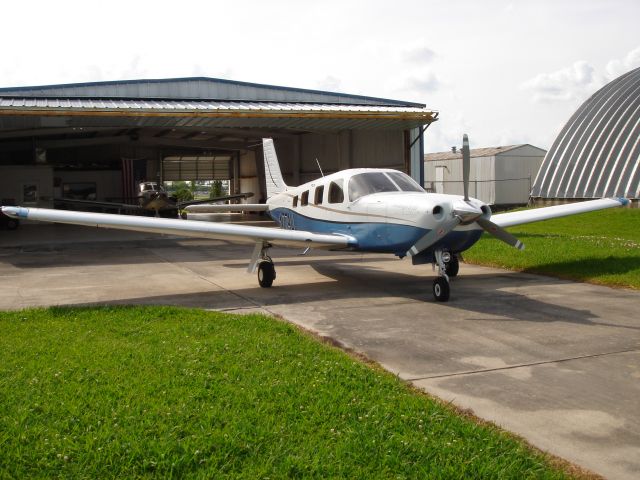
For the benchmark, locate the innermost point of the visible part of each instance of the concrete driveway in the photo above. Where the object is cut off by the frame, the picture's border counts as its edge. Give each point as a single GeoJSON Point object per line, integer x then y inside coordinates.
{"type": "Point", "coordinates": [556, 362]}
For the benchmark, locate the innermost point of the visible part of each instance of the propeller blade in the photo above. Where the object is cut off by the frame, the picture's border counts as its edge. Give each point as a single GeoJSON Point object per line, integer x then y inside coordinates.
{"type": "Point", "coordinates": [500, 233]}
{"type": "Point", "coordinates": [466, 166]}
{"type": "Point", "coordinates": [433, 236]}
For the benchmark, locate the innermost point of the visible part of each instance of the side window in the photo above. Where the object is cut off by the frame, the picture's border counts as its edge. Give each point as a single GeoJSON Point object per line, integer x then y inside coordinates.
{"type": "Point", "coordinates": [336, 194]}
{"type": "Point", "coordinates": [304, 199]}
{"type": "Point", "coordinates": [295, 201]}
{"type": "Point", "coordinates": [317, 199]}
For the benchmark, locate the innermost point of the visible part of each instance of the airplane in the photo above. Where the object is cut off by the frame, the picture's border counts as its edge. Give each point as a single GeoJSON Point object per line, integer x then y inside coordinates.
{"type": "Point", "coordinates": [152, 197]}
{"type": "Point", "coordinates": [375, 210]}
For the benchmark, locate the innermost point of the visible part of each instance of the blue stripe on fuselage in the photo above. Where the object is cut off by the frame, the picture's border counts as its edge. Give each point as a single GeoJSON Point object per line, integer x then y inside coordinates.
{"type": "Point", "coordinates": [373, 236]}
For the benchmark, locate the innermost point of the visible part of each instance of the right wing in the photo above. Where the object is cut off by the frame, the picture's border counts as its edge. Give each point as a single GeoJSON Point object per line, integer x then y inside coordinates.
{"type": "Point", "coordinates": [188, 228]}
{"type": "Point", "coordinates": [546, 213]}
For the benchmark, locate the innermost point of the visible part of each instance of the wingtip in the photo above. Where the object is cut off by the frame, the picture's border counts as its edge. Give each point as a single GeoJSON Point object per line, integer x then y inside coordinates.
{"type": "Point", "coordinates": [15, 212]}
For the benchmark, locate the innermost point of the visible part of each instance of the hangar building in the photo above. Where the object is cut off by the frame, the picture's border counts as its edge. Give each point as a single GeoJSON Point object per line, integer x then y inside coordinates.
{"type": "Point", "coordinates": [597, 153]}
{"type": "Point", "coordinates": [95, 140]}
{"type": "Point", "coordinates": [499, 175]}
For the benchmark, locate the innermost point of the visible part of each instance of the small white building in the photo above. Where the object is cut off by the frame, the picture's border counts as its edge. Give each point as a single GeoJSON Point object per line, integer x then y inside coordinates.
{"type": "Point", "coordinates": [499, 175]}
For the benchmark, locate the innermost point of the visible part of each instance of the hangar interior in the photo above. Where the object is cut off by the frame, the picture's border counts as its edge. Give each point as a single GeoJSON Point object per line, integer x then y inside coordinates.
{"type": "Point", "coordinates": [96, 140]}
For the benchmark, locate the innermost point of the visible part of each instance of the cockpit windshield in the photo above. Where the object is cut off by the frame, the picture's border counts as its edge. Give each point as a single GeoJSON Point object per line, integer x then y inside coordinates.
{"type": "Point", "coordinates": [376, 182]}
{"type": "Point", "coordinates": [150, 187]}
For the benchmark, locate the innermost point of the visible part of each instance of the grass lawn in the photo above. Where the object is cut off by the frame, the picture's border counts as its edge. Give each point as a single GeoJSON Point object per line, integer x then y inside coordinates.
{"type": "Point", "coordinates": [598, 247]}
{"type": "Point", "coordinates": [133, 392]}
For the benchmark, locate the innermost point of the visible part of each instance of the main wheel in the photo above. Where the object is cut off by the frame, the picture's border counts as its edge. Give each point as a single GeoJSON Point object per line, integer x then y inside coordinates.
{"type": "Point", "coordinates": [266, 274]}
{"type": "Point", "coordinates": [452, 266]}
{"type": "Point", "coordinates": [12, 224]}
{"type": "Point", "coordinates": [441, 289]}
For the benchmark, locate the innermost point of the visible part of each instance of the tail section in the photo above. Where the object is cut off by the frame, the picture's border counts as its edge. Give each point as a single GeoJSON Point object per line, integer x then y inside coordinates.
{"type": "Point", "coordinates": [272, 173]}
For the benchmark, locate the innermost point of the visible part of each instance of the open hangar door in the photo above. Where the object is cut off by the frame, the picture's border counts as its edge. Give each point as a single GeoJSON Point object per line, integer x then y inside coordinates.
{"type": "Point", "coordinates": [98, 138]}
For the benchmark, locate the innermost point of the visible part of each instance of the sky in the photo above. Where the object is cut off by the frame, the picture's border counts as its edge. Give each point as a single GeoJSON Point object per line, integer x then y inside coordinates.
{"type": "Point", "coordinates": [504, 72]}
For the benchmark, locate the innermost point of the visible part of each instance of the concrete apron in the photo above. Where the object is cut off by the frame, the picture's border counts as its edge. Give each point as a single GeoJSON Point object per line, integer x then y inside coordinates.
{"type": "Point", "coordinates": [553, 361]}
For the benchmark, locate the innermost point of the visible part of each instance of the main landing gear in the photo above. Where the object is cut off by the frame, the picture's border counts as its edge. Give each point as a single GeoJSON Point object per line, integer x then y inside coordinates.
{"type": "Point", "coordinates": [266, 273]}
{"type": "Point", "coordinates": [262, 261]}
{"type": "Point", "coordinates": [448, 266]}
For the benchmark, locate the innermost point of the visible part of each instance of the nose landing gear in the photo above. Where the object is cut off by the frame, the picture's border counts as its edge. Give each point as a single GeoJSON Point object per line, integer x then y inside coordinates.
{"type": "Point", "coordinates": [444, 261]}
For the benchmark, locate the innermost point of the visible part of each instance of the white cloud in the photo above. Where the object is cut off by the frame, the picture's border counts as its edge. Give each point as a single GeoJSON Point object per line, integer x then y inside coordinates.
{"type": "Point", "coordinates": [423, 83]}
{"type": "Point", "coordinates": [420, 55]}
{"type": "Point", "coordinates": [617, 67]}
{"type": "Point", "coordinates": [572, 83]}
{"type": "Point", "coordinates": [329, 84]}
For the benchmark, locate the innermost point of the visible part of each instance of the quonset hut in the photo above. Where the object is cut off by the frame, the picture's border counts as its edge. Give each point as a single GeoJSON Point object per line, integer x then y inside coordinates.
{"type": "Point", "coordinates": [597, 153]}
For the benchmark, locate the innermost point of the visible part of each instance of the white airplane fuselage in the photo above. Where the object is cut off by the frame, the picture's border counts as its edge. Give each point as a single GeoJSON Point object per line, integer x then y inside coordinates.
{"type": "Point", "coordinates": [382, 222]}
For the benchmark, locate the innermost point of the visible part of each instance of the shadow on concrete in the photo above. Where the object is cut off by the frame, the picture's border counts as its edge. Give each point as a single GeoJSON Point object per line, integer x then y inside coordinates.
{"type": "Point", "coordinates": [481, 294]}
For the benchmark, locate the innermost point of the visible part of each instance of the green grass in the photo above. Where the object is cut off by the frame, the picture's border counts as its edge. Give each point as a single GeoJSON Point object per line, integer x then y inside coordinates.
{"type": "Point", "coordinates": [172, 393]}
{"type": "Point", "coordinates": [598, 247]}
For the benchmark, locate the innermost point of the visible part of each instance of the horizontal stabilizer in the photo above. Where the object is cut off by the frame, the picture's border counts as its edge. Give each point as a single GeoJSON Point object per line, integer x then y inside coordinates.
{"type": "Point", "coordinates": [226, 208]}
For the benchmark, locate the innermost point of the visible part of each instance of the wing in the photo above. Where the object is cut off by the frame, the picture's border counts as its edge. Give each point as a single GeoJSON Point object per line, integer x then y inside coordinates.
{"type": "Point", "coordinates": [96, 203]}
{"type": "Point", "coordinates": [215, 199]}
{"type": "Point", "coordinates": [537, 214]}
{"type": "Point", "coordinates": [189, 228]}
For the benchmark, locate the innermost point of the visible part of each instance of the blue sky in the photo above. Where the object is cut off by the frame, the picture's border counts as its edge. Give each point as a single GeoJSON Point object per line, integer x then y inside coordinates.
{"type": "Point", "coordinates": [502, 71]}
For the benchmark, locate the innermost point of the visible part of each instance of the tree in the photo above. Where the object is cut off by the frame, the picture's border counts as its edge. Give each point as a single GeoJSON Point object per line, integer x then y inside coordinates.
{"type": "Point", "coordinates": [216, 189]}
{"type": "Point", "coordinates": [182, 192]}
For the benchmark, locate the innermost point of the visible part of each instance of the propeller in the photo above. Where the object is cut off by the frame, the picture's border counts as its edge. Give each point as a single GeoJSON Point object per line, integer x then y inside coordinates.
{"type": "Point", "coordinates": [464, 212]}
{"type": "Point", "coordinates": [466, 166]}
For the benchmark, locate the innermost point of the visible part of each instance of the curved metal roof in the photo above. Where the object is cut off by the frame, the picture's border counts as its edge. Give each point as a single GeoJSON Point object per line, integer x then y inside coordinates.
{"type": "Point", "coordinates": [597, 153]}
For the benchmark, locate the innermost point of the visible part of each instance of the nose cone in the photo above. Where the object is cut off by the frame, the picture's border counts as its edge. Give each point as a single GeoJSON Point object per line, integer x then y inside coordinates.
{"type": "Point", "coordinates": [467, 211]}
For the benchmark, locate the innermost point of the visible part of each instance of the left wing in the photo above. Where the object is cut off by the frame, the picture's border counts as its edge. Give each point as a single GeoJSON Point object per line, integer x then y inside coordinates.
{"type": "Point", "coordinates": [189, 228]}
{"type": "Point", "coordinates": [545, 213]}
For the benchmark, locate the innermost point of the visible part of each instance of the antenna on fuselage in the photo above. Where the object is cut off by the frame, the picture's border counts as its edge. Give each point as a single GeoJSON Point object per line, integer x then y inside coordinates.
{"type": "Point", "coordinates": [318, 162]}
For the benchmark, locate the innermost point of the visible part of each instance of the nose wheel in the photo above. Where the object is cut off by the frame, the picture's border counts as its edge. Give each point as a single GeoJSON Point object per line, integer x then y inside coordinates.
{"type": "Point", "coordinates": [441, 289]}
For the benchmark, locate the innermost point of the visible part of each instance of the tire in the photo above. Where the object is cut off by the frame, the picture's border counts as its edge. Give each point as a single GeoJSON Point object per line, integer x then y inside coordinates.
{"type": "Point", "coordinates": [12, 224]}
{"type": "Point", "coordinates": [441, 289]}
{"type": "Point", "coordinates": [452, 266]}
{"type": "Point", "coordinates": [266, 274]}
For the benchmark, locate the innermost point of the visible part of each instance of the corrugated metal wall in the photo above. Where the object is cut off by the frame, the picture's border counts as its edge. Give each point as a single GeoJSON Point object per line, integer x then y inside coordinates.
{"type": "Point", "coordinates": [503, 179]}
{"type": "Point", "coordinates": [597, 153]}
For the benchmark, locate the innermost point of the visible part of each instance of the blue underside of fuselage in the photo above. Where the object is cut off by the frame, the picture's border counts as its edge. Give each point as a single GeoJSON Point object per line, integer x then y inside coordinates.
{"type": "Point", "coordinates": [375, 237]}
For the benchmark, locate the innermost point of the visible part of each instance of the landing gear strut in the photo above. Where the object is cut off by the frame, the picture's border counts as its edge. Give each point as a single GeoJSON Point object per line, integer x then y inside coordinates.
{"type": "Point", "coordinates": [441, 283]}
{"type": "Point", "coordinates": [452, 266]}
{"type": "Point", "coordinates": [262, 261]}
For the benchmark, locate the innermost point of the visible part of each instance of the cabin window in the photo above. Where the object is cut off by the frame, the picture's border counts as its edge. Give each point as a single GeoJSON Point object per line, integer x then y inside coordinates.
{"type": "Point", "coordinates": [336, 194]}
{"type": "Point", "coordinates": [368, 183]}
{"type": "Point", "coordinates": [317, 199]}
{"type": "Point", "coordinates": [304, 199]}
{"type": "Point", "coordinates": [295, 201]}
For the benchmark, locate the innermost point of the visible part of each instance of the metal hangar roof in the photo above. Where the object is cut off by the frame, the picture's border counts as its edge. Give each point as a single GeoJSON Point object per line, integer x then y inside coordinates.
{"type": "Point", "coordinates": [202, 102]}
